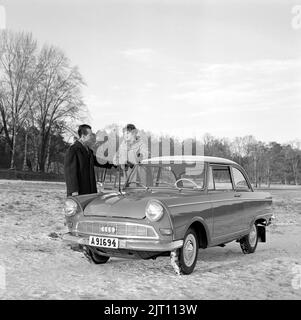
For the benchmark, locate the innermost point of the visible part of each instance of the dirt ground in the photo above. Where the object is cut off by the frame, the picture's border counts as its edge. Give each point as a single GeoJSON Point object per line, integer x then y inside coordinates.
{"type": "Point", "coordinates": [38, 265]}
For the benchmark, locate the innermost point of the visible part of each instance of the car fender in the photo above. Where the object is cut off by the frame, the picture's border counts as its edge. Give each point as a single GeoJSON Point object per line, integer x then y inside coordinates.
{"type": "Point", "coordinates": [261, 226]}
{"type": "Point", "coordinates": [204, 224]}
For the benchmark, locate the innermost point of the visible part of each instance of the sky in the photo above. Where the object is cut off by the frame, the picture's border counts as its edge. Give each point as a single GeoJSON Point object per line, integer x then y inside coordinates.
{"type": "Point", "coordinates": [180, 67]}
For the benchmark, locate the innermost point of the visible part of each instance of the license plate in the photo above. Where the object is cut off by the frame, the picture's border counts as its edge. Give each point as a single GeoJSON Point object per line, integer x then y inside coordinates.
{"type": "Point", "coordinates": [103, 242]}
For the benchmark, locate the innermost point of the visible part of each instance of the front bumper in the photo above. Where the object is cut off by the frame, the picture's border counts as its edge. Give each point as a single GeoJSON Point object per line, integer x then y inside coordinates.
{"type": "Point", "coordinates": [131, 244]}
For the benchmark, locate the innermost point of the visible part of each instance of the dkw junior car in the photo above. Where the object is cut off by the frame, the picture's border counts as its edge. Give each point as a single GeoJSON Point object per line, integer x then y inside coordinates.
{"type": "Point", "coordinates": [171, 206]}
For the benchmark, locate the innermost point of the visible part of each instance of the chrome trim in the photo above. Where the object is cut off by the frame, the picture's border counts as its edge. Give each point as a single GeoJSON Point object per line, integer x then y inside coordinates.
{"type": "Point", "coordinates": [238, 233]}
{"type": "Point", "coordinates": [152, 245]}
{"type": "Point", "coordinates": [134, 245]}
{"type": "Point", "coordinates": [187, 204]}
{"type": "Point", "coordinates": [213, 201]}
{"type": "Point", "coordinates": [189, 158]}
{"type": "Point", "coordinates": [116, 235]}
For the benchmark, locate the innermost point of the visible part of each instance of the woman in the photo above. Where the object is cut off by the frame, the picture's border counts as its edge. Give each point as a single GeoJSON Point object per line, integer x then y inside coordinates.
{"type": "Point", "coordinates": [132, 149]}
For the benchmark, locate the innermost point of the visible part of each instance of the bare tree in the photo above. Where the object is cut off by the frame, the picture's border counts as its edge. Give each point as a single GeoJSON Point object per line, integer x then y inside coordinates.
{"type": "Point", "coordinates": [57, 97]}
{"type": "Point", "coordinates": [17, 64]}
{"type": "Point", "coordinates": [40, 95]}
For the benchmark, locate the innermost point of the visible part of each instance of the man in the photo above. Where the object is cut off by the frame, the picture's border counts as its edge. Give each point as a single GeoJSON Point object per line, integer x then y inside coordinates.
{"type": "Point", "coordinates": [80, 162]}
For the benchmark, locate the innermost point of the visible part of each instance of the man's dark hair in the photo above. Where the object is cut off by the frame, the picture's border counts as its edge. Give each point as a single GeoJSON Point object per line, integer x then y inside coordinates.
{"type": "Point", "coordinates": [82, 129]}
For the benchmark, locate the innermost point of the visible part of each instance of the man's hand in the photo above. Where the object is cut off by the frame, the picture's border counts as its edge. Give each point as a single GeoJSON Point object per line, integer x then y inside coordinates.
{"type": "Point", "coordinates": [74, 193]}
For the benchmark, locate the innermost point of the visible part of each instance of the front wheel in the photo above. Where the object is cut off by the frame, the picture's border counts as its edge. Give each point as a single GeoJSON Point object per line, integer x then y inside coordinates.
{"type": "Point", "coordinates": [249, 242]}
{"type": "Point", "coordinates": [94, 256]}
{"type": "Point", "coordinates": [189, 252]}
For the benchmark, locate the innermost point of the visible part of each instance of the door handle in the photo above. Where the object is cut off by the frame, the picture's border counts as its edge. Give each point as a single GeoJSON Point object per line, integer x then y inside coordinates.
{"type": "Point", "coordinates": [237, 195]}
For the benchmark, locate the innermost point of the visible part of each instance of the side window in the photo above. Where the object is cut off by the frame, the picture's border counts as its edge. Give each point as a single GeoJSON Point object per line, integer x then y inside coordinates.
{"type": "Point", "coordinates": [239, 180]}
{"type": "Point", "coordinates": [210, 179]}
{"type": "Point", "coordinates": [222, 178]}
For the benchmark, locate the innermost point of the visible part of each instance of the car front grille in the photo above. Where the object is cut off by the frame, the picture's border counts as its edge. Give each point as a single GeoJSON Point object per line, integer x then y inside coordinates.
{"type": "Point", "coordinates": [117, 229]}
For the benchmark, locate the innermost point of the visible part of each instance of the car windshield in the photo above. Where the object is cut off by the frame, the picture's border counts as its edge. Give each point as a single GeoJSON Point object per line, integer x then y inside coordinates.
{"type": "Point", "coordinates": [177, 175]}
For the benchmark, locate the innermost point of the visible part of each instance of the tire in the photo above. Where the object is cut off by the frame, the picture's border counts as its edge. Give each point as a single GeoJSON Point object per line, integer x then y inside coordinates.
{"type": "Point", "coordinates": [94, 257]}
{"type": "Point", "coordinates": [188, 254]}
{"type": "Point", "coordinates": [249, 242]}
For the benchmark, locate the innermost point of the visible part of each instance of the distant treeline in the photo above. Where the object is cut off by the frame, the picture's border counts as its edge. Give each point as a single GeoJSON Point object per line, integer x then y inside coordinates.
{"type": "Point", "coordinates": [265, 163]}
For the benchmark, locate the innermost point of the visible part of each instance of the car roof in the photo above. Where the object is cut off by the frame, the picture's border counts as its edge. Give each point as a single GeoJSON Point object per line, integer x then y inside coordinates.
{"type": "Point", "coordinates": [189, 159]}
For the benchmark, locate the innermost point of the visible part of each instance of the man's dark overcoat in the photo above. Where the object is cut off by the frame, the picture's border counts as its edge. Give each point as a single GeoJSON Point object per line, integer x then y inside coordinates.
{"type": "Point", "coordinates": [79, 169]}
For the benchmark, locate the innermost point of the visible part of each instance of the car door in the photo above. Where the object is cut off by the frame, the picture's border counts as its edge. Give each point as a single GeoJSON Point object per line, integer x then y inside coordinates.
{"type": "Point", "coordinates": [254, 202]}
{"type": "Point", "coordinates": [227, 205]}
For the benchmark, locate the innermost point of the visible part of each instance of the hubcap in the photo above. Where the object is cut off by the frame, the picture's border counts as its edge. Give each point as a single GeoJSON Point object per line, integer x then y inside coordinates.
{"type": "Point", "coordinates": [253, 236]}
{"type": "Point", "coordinates": [189, 250]}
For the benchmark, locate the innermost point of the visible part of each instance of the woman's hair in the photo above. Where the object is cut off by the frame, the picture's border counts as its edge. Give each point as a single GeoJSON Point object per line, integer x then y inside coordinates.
{"type": "Point", "coordinates": [130, 128]}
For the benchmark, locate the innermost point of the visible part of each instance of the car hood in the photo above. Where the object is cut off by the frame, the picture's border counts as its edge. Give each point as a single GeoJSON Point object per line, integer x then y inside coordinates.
{"type": "Point", "coordinates": [128, 205]}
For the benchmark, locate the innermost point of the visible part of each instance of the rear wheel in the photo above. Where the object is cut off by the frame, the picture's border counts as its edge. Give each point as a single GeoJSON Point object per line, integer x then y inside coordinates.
{"type": "Point", "coordinates": [249, 242]}
{"type": "Point", "coordinates": [188, 254]}
{"type": "Point", "coordinates": [93, 256]}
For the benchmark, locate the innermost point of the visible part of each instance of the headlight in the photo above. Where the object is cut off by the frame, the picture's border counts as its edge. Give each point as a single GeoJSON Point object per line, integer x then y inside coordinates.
{"type": "Point", "coordinates": [154, 211]}
{"type": "Point", "coordinates": [70, 207]}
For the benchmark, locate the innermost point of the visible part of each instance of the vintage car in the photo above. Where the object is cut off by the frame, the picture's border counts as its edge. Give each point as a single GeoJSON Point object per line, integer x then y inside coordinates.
{"type": "Point", "coordinates": [171, 206]}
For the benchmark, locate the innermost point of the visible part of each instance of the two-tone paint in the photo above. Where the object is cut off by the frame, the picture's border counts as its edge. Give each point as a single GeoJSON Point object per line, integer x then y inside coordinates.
{"type": "Point", "coordinates": [219, 216]}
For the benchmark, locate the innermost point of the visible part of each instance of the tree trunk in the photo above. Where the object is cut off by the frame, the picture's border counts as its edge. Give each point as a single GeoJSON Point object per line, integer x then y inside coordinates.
{"type": "Point", "coordinates": [8, 139]}
{"type": "Point", "coordinates": [296, 176]}
{"type": "Point", "coordinates": [48, 154]}
{"type": "Point", "coordinates": [295, 171]}
{"type": "Point", "coordinates": [36, 157]}
{"type": "Point", "coordinates": [13, 152]}
{"type": "Point", "coordinates": [25, 168]}
{"type": "Point", "coordinates": [41, 154]}
{"type": "Point", "coordinates": [43, 138]}
{"type": "Point", "coordinates": [268, 175]}
{"type": "Point", "coordinates": [285, 180]}
{"type": "Point", "coordinates": [255, 170]}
